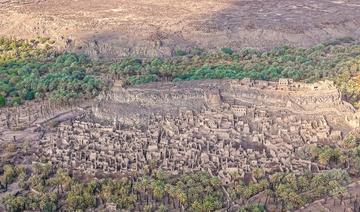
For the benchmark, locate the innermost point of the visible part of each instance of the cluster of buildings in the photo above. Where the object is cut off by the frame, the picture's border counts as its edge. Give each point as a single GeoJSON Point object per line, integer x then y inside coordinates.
{"type": "Point", "coordinates": [224, 127]}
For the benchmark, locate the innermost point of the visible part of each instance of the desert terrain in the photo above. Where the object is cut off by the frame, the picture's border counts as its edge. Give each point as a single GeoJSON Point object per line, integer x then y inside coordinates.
{"type": "Point", "coordinates": [147, 28]}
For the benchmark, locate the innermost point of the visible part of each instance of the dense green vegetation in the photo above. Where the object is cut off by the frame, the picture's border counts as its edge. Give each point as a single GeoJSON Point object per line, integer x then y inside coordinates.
{"type": "Point", "coordinates": [321, 61]}
{"type": "Point", "coordinates": [29, 71]}
{"type": "Point", "coordinates": [292, 191]}
{"type": "Point", "coordinates": [32, 69]}
{"type": "Point", "coordinates": [196, 191]}
{"type": "Point", "coordinates": [50, 190]}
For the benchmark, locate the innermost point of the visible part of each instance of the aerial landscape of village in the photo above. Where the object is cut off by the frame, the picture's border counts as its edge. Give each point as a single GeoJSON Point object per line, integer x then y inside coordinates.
{"type": "Point", "coordinates": [167, 105]}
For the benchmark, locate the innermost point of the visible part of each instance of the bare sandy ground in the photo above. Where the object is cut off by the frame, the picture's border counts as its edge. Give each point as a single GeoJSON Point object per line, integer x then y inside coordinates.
{"type": "Point", "coordinates": [117, 28]}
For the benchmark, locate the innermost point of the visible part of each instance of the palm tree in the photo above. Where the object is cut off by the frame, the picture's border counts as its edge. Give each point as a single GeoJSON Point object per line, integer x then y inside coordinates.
{"type": "Point", "coordinates": [106, 190]}
{"type": "Point", "coordinates": [55, 181]}
{"type": "Point", "coordinates": [8, 176]}
{"type": "Point", "coordinates": [139, 188]}
{"type": "Point", "coordinates": [63, 178]}
{"type": "Point", "coordinates": [158, 189]}
{"type": "Point", "coordinates": [258, 173]}
{"type": "Point", "coordinates": [171, 190]}
{"type": "Point", "coordinates": [291, 180]}
{"type": "Point", "coordinates": [146, 187]}
{"type": "Point", "coordinates": [181, 196]}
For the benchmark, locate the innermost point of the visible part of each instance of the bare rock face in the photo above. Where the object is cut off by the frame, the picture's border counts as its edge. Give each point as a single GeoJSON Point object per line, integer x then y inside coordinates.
{"type": "Point", "coordinates": [149, 28]}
